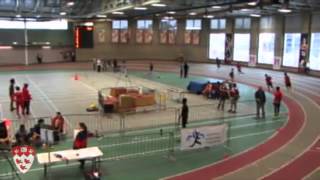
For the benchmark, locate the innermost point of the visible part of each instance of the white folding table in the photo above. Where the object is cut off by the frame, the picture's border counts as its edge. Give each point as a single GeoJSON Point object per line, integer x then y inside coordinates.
{"type": "Point", "coordinates": [90, 153]}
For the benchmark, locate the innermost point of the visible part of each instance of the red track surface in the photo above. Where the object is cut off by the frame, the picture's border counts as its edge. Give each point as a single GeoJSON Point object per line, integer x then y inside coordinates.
{"type": "Point", "coordinates": [301, 166]}
{"type": "Point", "coordinates": [295, 122]}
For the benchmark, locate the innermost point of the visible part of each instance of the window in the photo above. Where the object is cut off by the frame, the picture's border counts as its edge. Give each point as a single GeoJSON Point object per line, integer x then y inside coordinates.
{"type": "Point", "coordinates": [144, 24]}
{"type": "Point", "coordinates": [168, 24]}
{"type": "Point", "coordinates": [218, 24]}
{"type": "Point", "coordinates": [52, 25]}
{"type": "Point", "coordinates": [315, 52]}
{"type": "Point", "coordinates": [217, 45]}
{"type": "Point", "coordinates": [291, 49]}
{"type": "Point", "coordinates": [120, 24]}
{"type": "Point", "coordinates": [193, 24]}
{"type": "Point", "coordinates": [243, 23]}
{"type": "Point", "coordinates": [241, 47]}
{"type": "Point", "coordinates": [266, 23]}
{"type": "Point", "coordinates": [266, 48]}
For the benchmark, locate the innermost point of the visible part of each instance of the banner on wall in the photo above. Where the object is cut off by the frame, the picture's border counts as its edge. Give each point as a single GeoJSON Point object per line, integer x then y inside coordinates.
{"type": "Point", "coordinates": [124, 35]}
{"type": "Point", "coordinates": [277, 62]}
{"type": "Point", "coordinates": [115, 36]}
{"type": "Point", "coordinates": [207, 136]}
{"type": "Point", "coordinates": [228, 49]}
{"type": "Point", "coordinates": [101, 35]}
{"type": "Point", "coordinates": [139, 36]}
{"type": "Point", "coordinates": [171, 37]}
{"type": "Point", "coordinates": [196, 37]}
{"type": "Point", "coordinates": [304, 47]}
{"type": "Point", "coordinates": [253, 60]}
{"type": "Point", "coordinates": [148, 34]}
{"type": "Point", "coordinates": [163, 37]}
{"type": "Point", "coordinates": [187, 37]}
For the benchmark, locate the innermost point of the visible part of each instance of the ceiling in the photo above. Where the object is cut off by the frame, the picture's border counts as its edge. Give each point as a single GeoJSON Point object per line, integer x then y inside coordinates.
{"type": "Point", "coordinates": [88, 9]}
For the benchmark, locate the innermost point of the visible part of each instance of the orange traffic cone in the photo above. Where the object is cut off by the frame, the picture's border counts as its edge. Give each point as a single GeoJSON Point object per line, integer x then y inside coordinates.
{"type": "Point", "coordinates": [76, 77]}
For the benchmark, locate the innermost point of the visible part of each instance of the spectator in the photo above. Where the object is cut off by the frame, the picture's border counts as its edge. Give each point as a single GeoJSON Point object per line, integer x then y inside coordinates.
{"type": "Point", "coordinates": [39, 58]}
{"type": "Point", "coordinates": [287, 81]}
{"type": "Point", "coordinates": [186, 69]}
{"type": "Point", "coordinates": [18, 98]}
{"type": "Point", "coordinates": [115, 65]}
{"type": "Point", "coordinates": [268, 82]}
{"type": "Point", "coordinates": [35, 133]}
{"type": "Point", "coordinates": [277, 101]}
{"type": "Point", "coordinates": [223, 96]}
{"type": "Point", "coordinates": [57, 122]}
{"type": "Point", "coordinates": [22, 136]}
{"type": "Point", "coordinates": [81, 140]}
{"type": "Point", "coordinates": [11, 93]}
{"type": "Point", "coordinates": [234, 97]}
{"type": "Point", "coordinates": [231, 75]}
{"type": "Point", "coordinates": [207, 89]}
{"type": "Point", "coordinates": [27, 98]}
{"type": "Point", "coordinates": [4, 135]}
{"type": "Point", "coordinates": [260, 98]}
{"type": "Point", "coordinates": [184, 112]}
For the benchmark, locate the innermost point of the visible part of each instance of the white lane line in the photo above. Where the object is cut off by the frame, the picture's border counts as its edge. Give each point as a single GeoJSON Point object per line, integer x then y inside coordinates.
{"type": "Point", "coordinates": [48, 100]}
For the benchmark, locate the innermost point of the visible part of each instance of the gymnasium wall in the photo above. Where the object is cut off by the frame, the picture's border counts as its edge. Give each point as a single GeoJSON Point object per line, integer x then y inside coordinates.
{"type": "Point", "coordinates": [304, 23]}
{"type": "Point", "coordinates": [60, 41]}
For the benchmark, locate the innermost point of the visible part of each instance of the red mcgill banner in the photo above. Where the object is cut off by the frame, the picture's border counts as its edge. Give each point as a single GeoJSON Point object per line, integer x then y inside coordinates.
{"type": "Point", "coordinates": [124, 36]}
{"type": "Point", "coordinates": [163, 36]}
{"type": "Point", "coordinates": [172, 37]}
{"type": "Point", "coordinates": [196, 37]}
{"type": "Point", "coordinates": [148, 34]}
{"type": "Point", "coordinates": [187, 37]}
{"type": "Point", "coordinates": [115, 36]}
{"type": "Point", "coordinates": [139, 36]}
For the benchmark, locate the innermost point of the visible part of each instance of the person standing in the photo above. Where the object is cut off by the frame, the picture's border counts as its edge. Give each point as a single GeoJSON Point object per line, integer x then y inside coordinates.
{"type": "Point", "coordinates": [287, 81]}
{"type": "Point", "coordinates": [27, 98]}
{"type": "Point", "coordinates": [268, 81]}
{"type": "Point", "coordinates": [260, 98]}
{"type": "Point", "coordinates": [99, 65]}
{"type": "Point", "coordinates": [239, 68]}
{"type": "Point", "coordinates": [223, 96]}
{"type": "Point", "coordinates": [277, 101]}
{"type": "Point", "coordinates": [181, 70]}
{"type": "Point", "coordinates": [18, 98]}
{"type": "Point", "coordinates": [57, 124]}
{"type": "Point", "coordinates": [234, 97]}
{"type": "Point", "coordinates": [186, 69]}
{"type": "Point", "coordinates": [81, 140]}
{"type": "Point", "coordinates": [151, 69]}
{"type": "Point", "coordinates": [184, 113]}
{"type": "Point", "coordinates": [11, 93]}
{"type": "Point", "coordinates": [231, 75]}
{"type": "Point", "coordinates": [39, 58]}
{"type": "Point", "coordinates": [218, 62]}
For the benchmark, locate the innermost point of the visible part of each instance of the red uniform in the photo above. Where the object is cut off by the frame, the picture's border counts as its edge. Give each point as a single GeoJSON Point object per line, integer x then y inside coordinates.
{"type": "Point", "coordinates": [18, 98]}
{"type": "Point", "coordinates": [277, 97]}
{"type": "Point", "coordinates": [26, 94]}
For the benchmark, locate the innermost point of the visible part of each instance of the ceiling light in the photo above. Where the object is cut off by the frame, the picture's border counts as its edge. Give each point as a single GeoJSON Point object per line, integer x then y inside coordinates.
{"type": "Point", "coordinates": [118, 12]}
{"type": "Point", "coordinates": [158, 5]}
{"type": "Point", "coordinates": [140, 8]}
{"type": "Point", "coordinates": [216, 7]}
{"type": "Point", "coordinates": [192, 14]}
{"type": "Point", "coordinates": [38, 16]}
{"type": "Point", "coordinates": [244, 10]}
{"type": "Point", "coordinates": [255, 15]}
{"type": "Point", "coordinates": [46, 47]}
{"type": "Point", "coordinates": [253, 3]}
{"type": "Point", "coordinates": [101, 16]}
{"type": "Point", "coordinates": [71, 3]}
{"type": "Point", "coordinates": [15, 43]}
{"type": "Point", "coordinates": [285, 10]}
{"type": "Point", "coordinates": [18, 15]}
{"type": "Point", "coordinates": [63, 13]}
{"type": "Point", "coordinates": [171, 12]}
{"type": "Point", "coordinates": [208, 16]}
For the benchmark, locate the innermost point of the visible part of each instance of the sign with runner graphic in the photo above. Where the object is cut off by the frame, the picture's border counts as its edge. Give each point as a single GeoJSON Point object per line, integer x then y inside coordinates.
{"type": "Point", "coordinates": [23, 157]}
{"type": "Point", "coordinates": [207, 136]}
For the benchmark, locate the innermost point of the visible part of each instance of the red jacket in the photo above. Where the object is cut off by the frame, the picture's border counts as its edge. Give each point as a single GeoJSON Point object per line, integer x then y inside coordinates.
{"type": "Point", "coordinates": [268, 80]}
{"type": "Point", "coordinates": [81, 140]}
{"type": "Point", "coordinates": [277, 97]}
{"type": "Point", "coordinates": [18, 97]}
{"type": "Point", "coordinates": [26, 94]}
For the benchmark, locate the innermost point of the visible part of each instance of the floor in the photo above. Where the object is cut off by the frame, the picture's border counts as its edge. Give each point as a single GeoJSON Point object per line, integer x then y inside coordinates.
{"type": "Point", "coordinates": [63, 93]}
